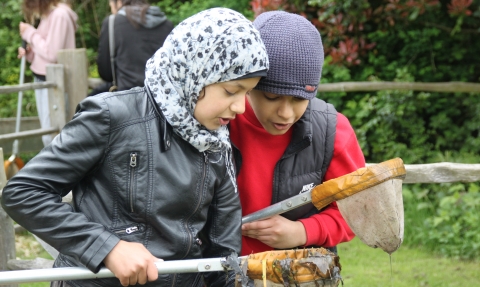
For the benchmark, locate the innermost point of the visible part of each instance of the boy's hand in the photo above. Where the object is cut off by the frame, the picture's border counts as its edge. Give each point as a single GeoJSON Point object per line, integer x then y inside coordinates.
{"type": "Point", "coordinates": [276, 232]}
{"type": "Point", "coordinates": [132, 263]}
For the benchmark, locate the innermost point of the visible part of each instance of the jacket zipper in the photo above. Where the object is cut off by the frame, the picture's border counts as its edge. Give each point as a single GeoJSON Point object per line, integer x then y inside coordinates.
{"type": "Point", "coordinates": [174, 279]}
{"type": "Point", "coordinates": [133, 165]}
{"type": "Point", "coordinates": [128, 230]}
{"type": "Point", "coordinates": [190, 237]}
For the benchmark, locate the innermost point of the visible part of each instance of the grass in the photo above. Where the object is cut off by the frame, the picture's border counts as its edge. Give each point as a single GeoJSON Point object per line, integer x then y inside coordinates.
{"type": "Point", "coordinates": [36, 284]}
{"type": "Point", "coordinates": [28, 248]}
{"type": "Point", "coordinates": [365, 266]}
{"type": "Point", "coordinates": [362, 266]}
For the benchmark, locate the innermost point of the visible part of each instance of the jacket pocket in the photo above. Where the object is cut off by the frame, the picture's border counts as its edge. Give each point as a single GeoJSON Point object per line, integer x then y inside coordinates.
{"type": "Point", "coordinates": [132, 181]}
{"type": "Point", "coordinates": [129, 229]}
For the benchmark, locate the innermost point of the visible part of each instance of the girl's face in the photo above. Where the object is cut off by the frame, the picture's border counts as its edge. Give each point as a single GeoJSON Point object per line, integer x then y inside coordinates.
{"type": "Point", "coordinates": [276, 113]}
{"type": "Point", "coordinates": [219, 103]}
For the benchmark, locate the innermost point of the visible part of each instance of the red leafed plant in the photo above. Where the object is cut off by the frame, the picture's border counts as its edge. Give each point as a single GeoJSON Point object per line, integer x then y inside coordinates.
{"type": "Point", "coordinates": [260, 6]}
{"type": "Point", "coordinates": [459, 7]}
{"type": "Point", "coordinates": [347, 53]}
{"type": "Point", "coordinates": [344, 25]}
{"type": "Point", "coordinates": [420, 5]}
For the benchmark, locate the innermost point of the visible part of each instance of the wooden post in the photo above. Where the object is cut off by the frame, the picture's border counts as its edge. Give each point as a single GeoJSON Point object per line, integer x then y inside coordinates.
{"type": "Point", "coordinates": [75, 65]}
{"type": "Point", "coordinates": [7, 231]}
{"type": "Point", "coordinates": [56, 96]}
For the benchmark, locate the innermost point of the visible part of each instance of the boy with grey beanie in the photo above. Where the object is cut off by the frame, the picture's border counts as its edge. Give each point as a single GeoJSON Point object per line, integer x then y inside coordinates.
{"type": "Point", "coordinates": [289, 141]}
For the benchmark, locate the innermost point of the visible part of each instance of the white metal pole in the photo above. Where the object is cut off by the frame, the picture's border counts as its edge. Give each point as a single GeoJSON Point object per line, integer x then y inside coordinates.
{"type": "Point", "coordinates": [76, 273]}
{"type": "Point", "coordinates": [20, 100]}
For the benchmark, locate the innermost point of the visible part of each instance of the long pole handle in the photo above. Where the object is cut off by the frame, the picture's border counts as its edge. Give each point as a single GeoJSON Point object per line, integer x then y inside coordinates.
{"type": "Point", "coordinates": [335, 189]}
{"type": "Point", "coordinates": [279, 207]}
{"type": "Point", "coordinates": [82, 273]}
{"type": "Point", "coordinates": [20, 100]}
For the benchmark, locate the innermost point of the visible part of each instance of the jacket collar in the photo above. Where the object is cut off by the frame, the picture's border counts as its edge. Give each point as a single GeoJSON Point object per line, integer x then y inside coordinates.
{"type": "Point", "coordinates": [164, 128]}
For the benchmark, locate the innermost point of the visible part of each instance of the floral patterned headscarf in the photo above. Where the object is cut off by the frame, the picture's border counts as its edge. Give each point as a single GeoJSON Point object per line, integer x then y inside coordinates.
{"type": "Point", "coordinates": [215, 45]}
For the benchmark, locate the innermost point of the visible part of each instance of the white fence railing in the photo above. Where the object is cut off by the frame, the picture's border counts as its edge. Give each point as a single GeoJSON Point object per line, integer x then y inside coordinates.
{"type": "Point", "coordinates": [67, 84]}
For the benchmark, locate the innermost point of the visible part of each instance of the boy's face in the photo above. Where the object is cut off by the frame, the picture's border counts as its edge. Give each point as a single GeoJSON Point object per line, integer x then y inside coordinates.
{"type": "Point", "coordinates": [276, 113]}
{"type": "Point", "coordinates": [221, 102]}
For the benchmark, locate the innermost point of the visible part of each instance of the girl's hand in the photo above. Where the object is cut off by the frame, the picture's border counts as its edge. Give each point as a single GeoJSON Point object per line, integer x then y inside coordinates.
{"type": "Point", "coordinates": [21, 52]}
{"type": "Point", "coordinates": [132, 263]}
{"type": "Point", "coordinates": [22, 27]}
{"type": "Point", "coordinates": [277, 232]}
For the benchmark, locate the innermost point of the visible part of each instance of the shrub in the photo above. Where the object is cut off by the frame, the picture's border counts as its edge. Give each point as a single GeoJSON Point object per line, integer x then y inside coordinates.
{"type": "Point", "coordinates": [444, 218]}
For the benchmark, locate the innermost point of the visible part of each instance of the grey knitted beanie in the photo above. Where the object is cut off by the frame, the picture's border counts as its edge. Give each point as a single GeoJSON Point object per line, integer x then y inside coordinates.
{"type": "Point", "coordinates": [295, 53]}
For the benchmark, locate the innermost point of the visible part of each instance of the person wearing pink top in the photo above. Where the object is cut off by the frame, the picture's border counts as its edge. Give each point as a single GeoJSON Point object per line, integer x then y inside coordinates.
{"type": "Point", "coordinates": [288, 141]}
{"type": "Point", "coordinates": [55, 31]}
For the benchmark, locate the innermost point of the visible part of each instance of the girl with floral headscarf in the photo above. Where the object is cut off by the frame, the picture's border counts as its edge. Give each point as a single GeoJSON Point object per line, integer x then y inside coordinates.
{"type": "Point", "coordinates": [150, 168]}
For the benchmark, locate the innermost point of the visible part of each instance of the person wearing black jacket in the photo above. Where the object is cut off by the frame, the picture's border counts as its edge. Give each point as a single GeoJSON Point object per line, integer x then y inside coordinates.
{"type": "Point", "coordinates": [150, 169]}
{"type": "Point", "coordinates": [139, 30]}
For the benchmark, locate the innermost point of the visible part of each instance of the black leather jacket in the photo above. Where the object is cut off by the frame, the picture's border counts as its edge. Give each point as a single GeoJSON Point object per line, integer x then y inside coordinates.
{"type": "Point", "coordinates": [133, 179]}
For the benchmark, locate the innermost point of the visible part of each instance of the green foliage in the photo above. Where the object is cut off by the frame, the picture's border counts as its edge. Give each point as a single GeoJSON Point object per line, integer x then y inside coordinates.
{"type": "Point", "coordinates": [415, 126]}
{"type": "Point", "coordinates": [8, 105]}
{"type": "Point", "coordinates": [177, 11]}
{"type": "Point", "coordinates": [383, 44]}
{"type": "Point", "coordinates": [443, 218]}
{"type": "Point", "coordinates": [90, 17]}
{"type": "Point", "coordinates": [10, 40]}
{"type": "Point", "coordinates": [454, 227]}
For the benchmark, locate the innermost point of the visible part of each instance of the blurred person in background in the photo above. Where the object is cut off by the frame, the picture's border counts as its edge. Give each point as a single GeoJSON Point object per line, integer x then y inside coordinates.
{"type": "Point", "coordinates": [139, 31]}
{"type": "Point", "coordinates": [56, 31]}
